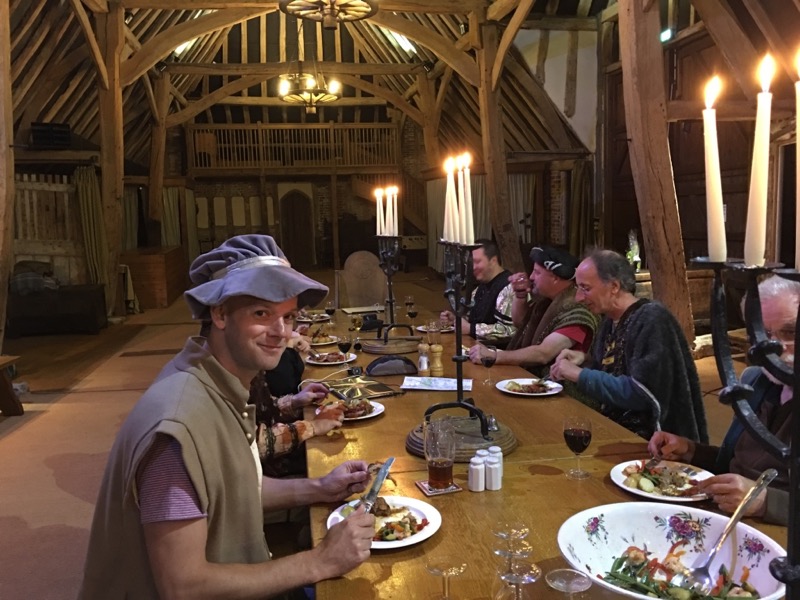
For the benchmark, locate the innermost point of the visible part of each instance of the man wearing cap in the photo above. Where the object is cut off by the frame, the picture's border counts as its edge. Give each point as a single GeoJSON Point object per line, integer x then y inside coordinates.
{"type": "Point", "coordinates": [547, 317]}
{"type": "Point", "coordinates": [180, 509]}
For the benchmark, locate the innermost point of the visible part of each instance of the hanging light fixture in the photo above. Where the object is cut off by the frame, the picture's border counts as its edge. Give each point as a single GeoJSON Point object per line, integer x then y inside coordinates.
{"type": "Point", "coordinates": [329, 12]}
{"type": "Point", "coordinates": [299, 87]}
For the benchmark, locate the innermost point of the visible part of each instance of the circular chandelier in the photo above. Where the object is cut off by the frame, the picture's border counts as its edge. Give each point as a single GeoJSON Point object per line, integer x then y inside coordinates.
{"type": "Point", "coordinates": [329, 12]}
{"type": "Point", "coordinates": [307, 89]}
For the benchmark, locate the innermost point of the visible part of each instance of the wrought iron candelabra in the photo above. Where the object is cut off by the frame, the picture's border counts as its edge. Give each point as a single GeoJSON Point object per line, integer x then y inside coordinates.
{"type": "Point", "coordinates": [389, 253]}
{"type": "Point", "coordinates": [460, 283]}
{"type": "Point", "coordinates": [765, 353]}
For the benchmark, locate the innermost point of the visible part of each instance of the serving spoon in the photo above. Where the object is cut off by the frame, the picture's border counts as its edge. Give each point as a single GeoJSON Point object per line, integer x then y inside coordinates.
{"type": "Point", "coordinates": [698, 578]}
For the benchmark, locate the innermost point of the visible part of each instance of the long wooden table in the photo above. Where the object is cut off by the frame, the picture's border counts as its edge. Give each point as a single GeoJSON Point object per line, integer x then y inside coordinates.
{"type": "Point", "coordinates": [535, 489]}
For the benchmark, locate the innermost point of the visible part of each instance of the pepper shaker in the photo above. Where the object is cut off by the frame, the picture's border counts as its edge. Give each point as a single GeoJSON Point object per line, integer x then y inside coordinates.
{"type": "Point", "coordinates": [437, 369]}
{"type": "Point", "coordinates": [494, 476]}
{"type": "Point", "coordinates": [497, 452]}
{"type": "Point", "coordinates": [476, 476]}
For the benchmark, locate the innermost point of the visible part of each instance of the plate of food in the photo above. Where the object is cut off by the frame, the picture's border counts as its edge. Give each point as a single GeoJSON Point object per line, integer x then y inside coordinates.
{"type": "Point", "coordinates": [529, 387]}
{"type": "Point", "coordinates": [399, 521]}
{"type": "Point", "coordinates": [668, 481]}
{"type": "Point", "coordinates": [445, 329]}
{"type": "Point", "coordinates": [324, 339]}
{"type": "Point", "coordinates": [354, 409]}
{"type": "Point", "coordinates": [312, 316]}
{"type": "Point", "coordinates": [330, 358]}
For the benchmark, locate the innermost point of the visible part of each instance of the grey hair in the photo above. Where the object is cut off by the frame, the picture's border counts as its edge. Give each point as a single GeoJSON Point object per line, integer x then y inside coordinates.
{"type": "Point", "coordinates": [774, 287]}
{"type": "Point", "coordinates": [612, 266]}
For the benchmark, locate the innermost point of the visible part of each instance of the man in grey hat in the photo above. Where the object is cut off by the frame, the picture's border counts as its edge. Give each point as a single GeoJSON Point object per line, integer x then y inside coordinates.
{"type": "Point", "coordinates": [180, 510]}
{"type": "Point", "coordinates": [547, 317]}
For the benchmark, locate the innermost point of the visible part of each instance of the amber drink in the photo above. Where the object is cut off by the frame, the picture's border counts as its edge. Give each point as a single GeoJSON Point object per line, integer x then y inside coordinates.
{"type": "Point", "coordinates": [440, 473]}
{"type": "Point", "coordinates": [440, 452]}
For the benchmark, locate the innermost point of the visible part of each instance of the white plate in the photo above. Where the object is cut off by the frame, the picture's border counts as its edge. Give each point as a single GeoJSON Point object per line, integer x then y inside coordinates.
{"type": "Point", "coordinates": [552, 387]}
{"type": "Point", "coordinates": [350, 358]}
{"type": "Point", "coordinates": [313, 318]}
{"type": "Point", "coordinates": [424, 329]}
{"type": "Point", "coordinates": [377, 409]}
{"type": "Point", "coordinates": [355, 310]}
{"type": "Point", "coordinates": [418, 508]}
{"type": "Point", "coordinates": [334, 339]}
{"type": "Point", "coordinates": [693, 472]}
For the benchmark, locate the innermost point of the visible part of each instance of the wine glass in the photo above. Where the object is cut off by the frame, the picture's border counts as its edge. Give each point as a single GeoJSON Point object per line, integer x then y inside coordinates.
{"type": "Point", "coordinates": [568, 581]}
{"type": "Point", "coordinates": [520, 575]}
{"type": "Point", "coordinates": [445, 567]}
{"type": "Point", "coordinates": [411, 310]}
{"type": "Point", "coordinates": [578, 435]}
{"type": "Point", "coordinates": [488, 356]}
{"type": "Point", "coordinates": [330, 310]}
{"type": "Point", "coordinates": [344, 344]}
{"type": "Point", "coordinates": [510, 551]}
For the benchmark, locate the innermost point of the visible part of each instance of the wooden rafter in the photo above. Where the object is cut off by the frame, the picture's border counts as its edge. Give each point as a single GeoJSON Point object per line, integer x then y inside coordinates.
{"type": "Point", "coordinates": [500, 8]}
{"type": "Point", "coordinates": [209, 100]}
{"type": "Point", "coordinates": [376, 90]}
{"type": "Point", "coordinates": [273, 69]}
{"type": "Point", "coordinates": [98, 6]}
{"type": "Point", "coordinates": [508, 38]}
{"type": "Point", "coordinates": [783, 55]}
{"type": "Point", "coordinates": [409, 6]}
{"type": "Point", "coordinates": [91, 40]}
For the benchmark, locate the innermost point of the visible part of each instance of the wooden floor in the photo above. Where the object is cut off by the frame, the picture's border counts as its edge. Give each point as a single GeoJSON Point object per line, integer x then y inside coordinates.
{"type": "Point", "coordinates": [82, 387]}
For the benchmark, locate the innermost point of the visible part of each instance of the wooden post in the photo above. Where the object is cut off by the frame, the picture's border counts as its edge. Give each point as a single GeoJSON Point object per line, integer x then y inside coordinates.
{"type": "Point", "coordinates": [7, 160]}
{"type": "Point", "coordinates": [111, 39]}
{"type": "Point", "coordinates": [430, 119]}
{"type": "Point", "coordinates": [646, 123]}
{"type": "Point", "coordinates": [337, 259]}
{"type": "Point", "coordinates": [158, 142]}
{"type": "Point", "coordinates": [494, 153]}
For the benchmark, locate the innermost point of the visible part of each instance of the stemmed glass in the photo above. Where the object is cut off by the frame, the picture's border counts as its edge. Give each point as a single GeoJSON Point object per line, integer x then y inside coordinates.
{"type": "Point", "coordinates": [411, 310]}
{"type": "Point", "coordinates": [344, 344]}
{"type": "Point", "coordinates": [330, 310]}
{"type": "Point", "coordinates": [520, 575]}
{"type": "Point", "coordinates": [488, 356]}
{"type": "Point", "coordinates": [568, 581]}
{"type": "Point", "coordinates": [445, 567]}
{"type": "Point", "coordinates": [578, 435]}
{"type": "Point", "coordinates": [513, 533]}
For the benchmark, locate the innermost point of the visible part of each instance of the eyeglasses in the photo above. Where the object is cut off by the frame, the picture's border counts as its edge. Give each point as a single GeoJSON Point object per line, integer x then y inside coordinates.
{"type": "Point", "coordinates": [785, 335]}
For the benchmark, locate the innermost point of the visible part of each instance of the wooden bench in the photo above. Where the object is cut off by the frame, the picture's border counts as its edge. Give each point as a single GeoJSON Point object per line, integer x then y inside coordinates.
{"type": "Point", "coordinates": [10, 405]}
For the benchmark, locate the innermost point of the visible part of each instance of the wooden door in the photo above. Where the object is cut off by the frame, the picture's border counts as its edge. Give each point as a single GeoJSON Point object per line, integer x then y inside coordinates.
{"type": "Point", "coordinates": [297, 230]}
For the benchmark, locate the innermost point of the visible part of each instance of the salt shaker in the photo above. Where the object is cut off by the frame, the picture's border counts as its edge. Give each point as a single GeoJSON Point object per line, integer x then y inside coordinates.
{"type": "Point", "coordinates": [484, 454]}
{"type": "Point", "coordinates": [423, 365]}
{"type": "Point", "coordinates": [476, 476]}
{"type": "Point", "coordinates": [494, 476]}
{"type": "Point", "coordinates": [497, 453]}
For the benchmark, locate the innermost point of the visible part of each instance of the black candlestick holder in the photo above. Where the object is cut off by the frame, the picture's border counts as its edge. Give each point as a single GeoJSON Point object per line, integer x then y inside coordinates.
{"type": "Point", "coordinates": [460, 283]}
{"type": "Point", "coordinates": [389, 250]}
{"type": "Point", "coordinates": [766, 353]}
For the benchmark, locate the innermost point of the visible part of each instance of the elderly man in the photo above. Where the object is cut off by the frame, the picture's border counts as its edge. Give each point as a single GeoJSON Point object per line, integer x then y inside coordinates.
{"type": "Point", "coordinates": [490, 316]}
{"type": "Point", "coordinates": [564, 323]}
{"type": "Point", "coordinates": [180, 510]}
{"type": "Point", "coordinates": [741, 458]}
{"type": "Point", "coordinates": [640, 361]}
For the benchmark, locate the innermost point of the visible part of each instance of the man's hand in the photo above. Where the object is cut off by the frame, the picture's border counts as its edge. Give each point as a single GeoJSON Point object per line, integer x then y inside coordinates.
{"type": "Point", "coordinates": [671, 447]}
{"type": "Point", "coordinates": [567, 366]}
{"type": "Point", "coordinates": [301, 343]}
{"type": "Point", "coordinates": [728, 490]}
{"type": "Point", "coordinates": [520, 284]}
{"type": "Point", "coordinates": [328, 418]}
{"type": "Point", "coordinates": [349, 478]}
{"type": "Point", "coordinates": [447, 317]}
{"type": "Point", "coordinates": [347, 544]}
{"type": "Point", "coordinates": [311, 392]}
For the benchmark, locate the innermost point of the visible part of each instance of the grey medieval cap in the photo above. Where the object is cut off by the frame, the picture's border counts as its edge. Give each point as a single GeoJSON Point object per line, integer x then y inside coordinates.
{"type": "Point", "coordinates": [248, 265]}
{"type": "Point", "coordinates": [559, 262]}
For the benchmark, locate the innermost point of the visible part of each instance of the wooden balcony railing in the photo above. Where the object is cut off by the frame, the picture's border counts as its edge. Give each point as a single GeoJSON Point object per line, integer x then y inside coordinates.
{"type": "Point", "coordinates": [346, 148]}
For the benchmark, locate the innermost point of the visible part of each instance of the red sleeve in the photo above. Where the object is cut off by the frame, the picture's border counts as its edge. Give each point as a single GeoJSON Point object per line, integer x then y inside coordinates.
{"type": "Point", "coordinates": [580, 334]}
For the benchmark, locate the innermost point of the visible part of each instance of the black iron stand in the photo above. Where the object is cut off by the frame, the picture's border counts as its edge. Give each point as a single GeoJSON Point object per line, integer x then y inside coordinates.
{"type": "Point", "coordinates": [389, 252]}
{"type": "Point", "coordinates": [460, 282]}
{"type": "Point", "coordinates": [765, 353]}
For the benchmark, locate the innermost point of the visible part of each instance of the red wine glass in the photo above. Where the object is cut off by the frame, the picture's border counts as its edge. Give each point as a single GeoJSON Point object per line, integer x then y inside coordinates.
{"type": "Point", "coordinates": [578, 435]}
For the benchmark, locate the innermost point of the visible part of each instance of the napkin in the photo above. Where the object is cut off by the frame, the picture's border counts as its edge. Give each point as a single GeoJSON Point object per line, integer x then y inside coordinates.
{"type": "Point", "coordinates": [437, 384]}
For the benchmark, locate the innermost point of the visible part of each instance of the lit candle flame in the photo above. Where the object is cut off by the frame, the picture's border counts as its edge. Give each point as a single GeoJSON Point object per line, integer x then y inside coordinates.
{"type": "Point", "coordinates": [460, 162]}
{"type": "Point", "coordinates": [713, 88]}
{"type": "Point", "coordinates": [466, 159]}
{"type": "Point", "coordinates": [766, 71]}
{"type": "Point", "coordinates": [797, 63]}
{"type": "Point", "coordinates": [379, 193]}
{"type": "Point", "coordinates": [449, 165]}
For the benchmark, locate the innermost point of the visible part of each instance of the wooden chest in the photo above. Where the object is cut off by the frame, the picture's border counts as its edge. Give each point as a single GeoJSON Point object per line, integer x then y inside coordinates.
{"type": "Point", "coordinates": [159, 274]}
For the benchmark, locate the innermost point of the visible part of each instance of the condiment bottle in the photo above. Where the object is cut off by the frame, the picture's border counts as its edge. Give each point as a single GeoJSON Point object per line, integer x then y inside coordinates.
{"type": "Point", "coordinates": [484, 454]}
{"type": "Point", "coordinates": [476, 476]}
{"type": "Point", "coordinates": [494, 476]}
{"type": "Point", "coordinates": [423, 366]}
{"type": "Point", "coordinates": [437, 369]}
{"type": "Point", "coordinates": [497, 452]}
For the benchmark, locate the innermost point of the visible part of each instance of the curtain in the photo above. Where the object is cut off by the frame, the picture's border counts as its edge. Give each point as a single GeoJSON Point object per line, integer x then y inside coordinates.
{"type": "Point", "coordinates": [191, 226]}
{"type": "Point", "coordinates": [130, 218]}
{"type": "Point", "coordinates": [581, 225]}
{"type": "Point", "coordinates": [435, 190]}
{"type": "Point", "coordinates": [170, 218]}
{"type": "Point", "coordinates": [94, 232]}
{"type": "Point", "coordinates": [521, 193]}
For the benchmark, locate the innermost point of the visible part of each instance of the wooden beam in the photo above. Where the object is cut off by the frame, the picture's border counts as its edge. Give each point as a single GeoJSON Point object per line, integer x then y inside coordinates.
{"type": "Point", "coordinates": [734, 45]}
{"type": "Point", "coordinates": [7, 194]}
{"type": "Point", "coordinates": [195, 108]}
{"type": "Point", "coordinates": [508, 38]}
{"type": "Point", "coordinates": [645, 118]}
{"type": "Point", "coordinates": [560, 23]}
{"type": "Point", "coordinates": [430, 125]}
{"type": "Point", "coordinates": [277, 102]}
{"type": "Point", "coordinates": [162, 44]}
{"type": "Point", "coordinates": [783, 54]}
{"type": "Point", "coordinates": [97, 6]}
{"type": "Point", "coordinates": [275, 69]}
{"type": "Point", "coordinates": [494, 153]}
{"type": "Point", "coordinates": [150, 95]}
{"type": "Point", "coordinates": [94, 49]}
{"type": "Point", "coordinates": [500, 8]}
{"type": "Point", "coordinates": [378, 90]}
{"type": "Point", "coordinates": [461, 62]}
{"type": "Point", "coordinates": [571, 87]}
{"type": "Point", "coordinates": [410, 6]}
{"type": "Point", "coordinates": [158, 144]}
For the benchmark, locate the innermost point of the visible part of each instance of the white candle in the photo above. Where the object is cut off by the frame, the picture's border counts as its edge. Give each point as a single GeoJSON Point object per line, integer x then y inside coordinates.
{"type": "Point", "coordinates": [379, 214]}
{"type": "Point", "coordinates": [462, 209]}
{"type": "Point", "coordinates": [797, 168]}
{"type": "Point", "coordinates": [755, 237]}
{"type": "Point", "coordinates": [449, 201]}
{"type": "Point", "coordinates": [387, 229]}
{"type": "Point", "coordinates": [395, 227]}
{"type": "Point", "coordinates": [470, 236]}
{"type": "Point", "coordinates": [717, 247]}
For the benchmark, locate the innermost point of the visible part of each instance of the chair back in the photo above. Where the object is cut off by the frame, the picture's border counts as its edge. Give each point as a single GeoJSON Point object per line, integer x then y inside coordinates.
{"type": "Point", "coordinates": [361, 282]}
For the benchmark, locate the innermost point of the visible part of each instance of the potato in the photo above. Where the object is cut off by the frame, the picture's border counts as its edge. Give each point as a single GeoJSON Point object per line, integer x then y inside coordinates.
{"type": "Point", "coordinates": [631, 481]}
{"type": "Point", "coordinates": [680, 593]}
{"type": "Point", "coordinates": [646, 485]}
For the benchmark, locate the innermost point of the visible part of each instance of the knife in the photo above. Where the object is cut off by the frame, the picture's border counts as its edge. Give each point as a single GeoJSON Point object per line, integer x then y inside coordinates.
{"type": "Point", "coordinates": [372, 496]}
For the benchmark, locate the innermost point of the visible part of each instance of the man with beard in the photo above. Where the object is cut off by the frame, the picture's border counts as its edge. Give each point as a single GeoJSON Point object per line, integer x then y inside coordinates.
{"type": "Point", "coordinates": [741, 458]}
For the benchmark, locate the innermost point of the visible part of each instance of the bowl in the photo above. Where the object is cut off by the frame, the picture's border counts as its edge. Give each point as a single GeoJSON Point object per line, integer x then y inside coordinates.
{"type": "Point", "coordinates": [590, 541]}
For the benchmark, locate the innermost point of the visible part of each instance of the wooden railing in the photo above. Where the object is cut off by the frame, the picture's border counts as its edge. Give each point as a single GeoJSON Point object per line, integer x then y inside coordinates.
{"type": "Point", "coordinates": [347, 148]}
